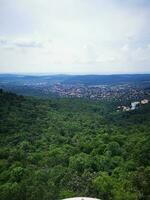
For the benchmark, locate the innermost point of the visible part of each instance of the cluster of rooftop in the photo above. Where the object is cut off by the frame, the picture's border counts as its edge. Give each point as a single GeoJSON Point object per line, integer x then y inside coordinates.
{"type": "Point", "coordinates": [133, 106]}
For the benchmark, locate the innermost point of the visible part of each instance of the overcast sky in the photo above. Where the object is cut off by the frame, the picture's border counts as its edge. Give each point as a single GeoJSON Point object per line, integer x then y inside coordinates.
{"type": "Point", "coordinates": [75, 36]}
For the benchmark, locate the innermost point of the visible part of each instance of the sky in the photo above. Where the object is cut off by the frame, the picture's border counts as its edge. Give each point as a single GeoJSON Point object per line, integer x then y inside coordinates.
{"type": "Point", "coordinates": [75, 36]}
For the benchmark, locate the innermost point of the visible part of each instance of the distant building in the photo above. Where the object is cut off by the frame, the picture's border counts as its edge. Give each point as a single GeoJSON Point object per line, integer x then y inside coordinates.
{"type": "Point", "coordinates": [144, 101]}
{"type": "Point", "coordinates": [134, 105]}
{"type": "Point", "coordinates": [126, 108]}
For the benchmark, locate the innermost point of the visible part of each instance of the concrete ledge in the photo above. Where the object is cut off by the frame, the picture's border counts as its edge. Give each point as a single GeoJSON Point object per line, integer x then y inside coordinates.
{"type": "Point", "coordinates": [81, 198]}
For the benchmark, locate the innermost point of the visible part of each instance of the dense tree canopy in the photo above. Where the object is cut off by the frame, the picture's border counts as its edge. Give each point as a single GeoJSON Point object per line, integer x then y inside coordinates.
{"type": "Point", "coordinates": [58, 148]}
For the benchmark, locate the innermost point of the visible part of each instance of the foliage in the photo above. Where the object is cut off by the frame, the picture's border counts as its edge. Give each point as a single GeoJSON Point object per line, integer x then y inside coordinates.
{"type": "Point", "coordinates": [57, 148]}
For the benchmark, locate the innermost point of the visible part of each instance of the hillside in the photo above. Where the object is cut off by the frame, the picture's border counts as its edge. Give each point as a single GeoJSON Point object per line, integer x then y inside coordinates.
{"type": "Point", "coordinates": [58, 148]}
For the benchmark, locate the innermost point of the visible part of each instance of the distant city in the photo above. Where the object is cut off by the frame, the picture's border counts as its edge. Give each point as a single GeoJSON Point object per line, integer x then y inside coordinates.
{"type": "Point", "coordinates": [121, 88]}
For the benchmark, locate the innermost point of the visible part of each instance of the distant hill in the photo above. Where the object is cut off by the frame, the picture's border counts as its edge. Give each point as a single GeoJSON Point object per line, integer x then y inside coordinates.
{"type": "Point", "coordinates": [73, 79]}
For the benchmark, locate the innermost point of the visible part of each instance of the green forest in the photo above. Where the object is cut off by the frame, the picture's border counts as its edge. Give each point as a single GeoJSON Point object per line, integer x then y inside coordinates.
{"type": "Point", "coordinates": [55, 148]}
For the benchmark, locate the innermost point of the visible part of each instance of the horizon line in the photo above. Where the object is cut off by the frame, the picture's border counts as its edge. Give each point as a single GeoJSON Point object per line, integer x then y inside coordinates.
{"type": "Point", "coordinates": [72, 74]}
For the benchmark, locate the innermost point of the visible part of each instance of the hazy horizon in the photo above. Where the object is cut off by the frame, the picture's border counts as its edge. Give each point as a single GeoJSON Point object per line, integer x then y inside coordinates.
{"type": "Point", "coordinates": [71, 74]}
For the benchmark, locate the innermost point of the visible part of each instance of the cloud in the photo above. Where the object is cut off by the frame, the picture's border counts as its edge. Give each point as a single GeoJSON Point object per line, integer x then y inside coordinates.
{"type": "Point", "coordinates": [74, 35]}
{"type": "Point", "coordinates": [20, 43]}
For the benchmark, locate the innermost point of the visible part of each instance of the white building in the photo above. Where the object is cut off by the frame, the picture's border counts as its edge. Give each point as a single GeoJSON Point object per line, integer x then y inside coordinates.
{"type": "Point", "coordinates": [144, 101]}
{"type": "Point", "coordinates": [134, 105]}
